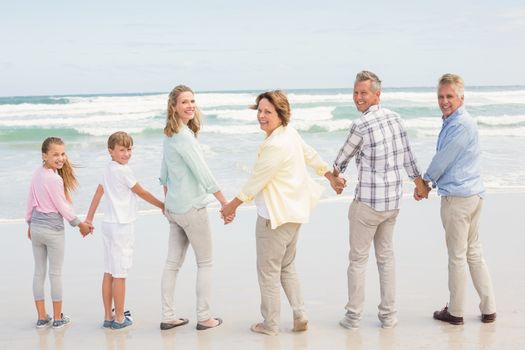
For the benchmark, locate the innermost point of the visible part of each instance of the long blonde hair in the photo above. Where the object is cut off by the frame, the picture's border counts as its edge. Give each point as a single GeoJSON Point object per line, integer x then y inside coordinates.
{"type": "Point", "coordinates": [173, 122]}
{"type": "Point", "coordinates": [67, 172]}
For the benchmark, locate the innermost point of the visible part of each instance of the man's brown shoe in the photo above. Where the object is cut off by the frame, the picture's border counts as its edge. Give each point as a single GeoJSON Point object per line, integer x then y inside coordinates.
{"type": "Point", "coordinates": [488, 318]}
{"type": "Point", "coordinates": [445, 316]}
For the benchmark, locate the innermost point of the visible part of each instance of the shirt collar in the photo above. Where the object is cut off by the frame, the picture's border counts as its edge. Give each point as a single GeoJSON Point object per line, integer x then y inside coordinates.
{"type": "Point", "coordinates": [373, 108]}
{"type": "Point", "coordinates": [453, 116]}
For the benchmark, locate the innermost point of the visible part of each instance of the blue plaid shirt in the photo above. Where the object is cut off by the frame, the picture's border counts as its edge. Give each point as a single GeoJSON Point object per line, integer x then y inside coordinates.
{"type": "Point", "coordinates": [379, 142]}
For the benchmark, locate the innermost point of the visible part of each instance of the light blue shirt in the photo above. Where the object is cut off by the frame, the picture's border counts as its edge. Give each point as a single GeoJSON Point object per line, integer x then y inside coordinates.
{"type": "Point", "coordinates": [185, 173]}
{"type": "Point", "coordinates": [455, 168]}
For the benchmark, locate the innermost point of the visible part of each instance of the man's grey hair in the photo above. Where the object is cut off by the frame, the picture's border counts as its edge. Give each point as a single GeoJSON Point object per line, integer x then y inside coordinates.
{"type": "Point", "coordinates": [365, 75]}
{"type": "Point", "coordinates": [455, 81]}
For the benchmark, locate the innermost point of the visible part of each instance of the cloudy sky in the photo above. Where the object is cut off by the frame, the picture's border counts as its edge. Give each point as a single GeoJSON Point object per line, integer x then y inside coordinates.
{"type": "Point", "coordinates": [72, 47]}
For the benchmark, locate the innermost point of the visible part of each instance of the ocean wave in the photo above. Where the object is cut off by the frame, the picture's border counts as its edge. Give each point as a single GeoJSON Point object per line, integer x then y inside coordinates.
{"type": "Point", "coordinates": [503, 120]}
{"type": "Point", "coordinates": [155, 104]}
{"type": "Point", "coordinates": [249, 115]}
{"type": "Point", "coordinates": [46, 100]}
{"type": "Point", "coordinates": [114, 119]}
{"type": "Point", "coordinates": [85, 106]}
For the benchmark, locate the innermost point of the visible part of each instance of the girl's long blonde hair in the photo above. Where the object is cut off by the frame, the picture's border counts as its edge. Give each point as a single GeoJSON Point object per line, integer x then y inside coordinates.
{"type": "Point", "coordinates": [67, 172]}
{"type": "Point", "coordinates": [173, 122]}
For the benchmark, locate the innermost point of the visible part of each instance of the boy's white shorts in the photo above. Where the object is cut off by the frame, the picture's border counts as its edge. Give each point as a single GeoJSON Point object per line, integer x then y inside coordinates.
{"type": "Point", "coordinates": [118, 248]}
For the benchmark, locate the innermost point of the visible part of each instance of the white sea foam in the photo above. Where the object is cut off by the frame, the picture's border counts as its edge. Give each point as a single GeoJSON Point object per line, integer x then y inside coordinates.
{"type": "Point", "coordinates": [231, 129]}
{"type": "Point", "coordinates": [249, 115]}
{"type": "Point", "coordinates": [72, 121]}
{"type": "Point", "coordinates": [246, 115]}
{"type": "Point", "coordinates": [479, 98]}
{"type": "Point", "coordinates": [82, 106]}
{"type": "Point", "coordinates": [513, 132]}
{"type": "Point", "coordinates": [504, 120]}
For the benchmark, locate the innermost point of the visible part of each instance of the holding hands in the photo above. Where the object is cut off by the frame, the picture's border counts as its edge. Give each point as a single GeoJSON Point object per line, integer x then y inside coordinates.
{"type": "Point", "coordinates": [422, 189]}
{"type": "Point", "coordinates": [228, 210]}
{"type": "Point", "coordinates": [227, 215]}
{"type": "Point", "coordinates": [337, 181]}
{"type": "Point", "coordinates": [86, 228]}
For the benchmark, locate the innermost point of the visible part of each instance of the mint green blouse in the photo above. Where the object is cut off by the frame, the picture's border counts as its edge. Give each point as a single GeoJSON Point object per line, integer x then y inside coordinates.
{"type": "Point", "coordinates": [185, 173]}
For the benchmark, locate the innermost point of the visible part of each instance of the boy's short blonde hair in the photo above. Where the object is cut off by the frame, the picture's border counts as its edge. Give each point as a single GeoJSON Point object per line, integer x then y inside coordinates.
{"type": "Point", "coordinates": [120, 138]}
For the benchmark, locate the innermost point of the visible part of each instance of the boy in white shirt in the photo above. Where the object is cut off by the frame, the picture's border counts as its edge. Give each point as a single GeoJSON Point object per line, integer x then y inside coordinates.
{"type": "Point", "coordinates": [120, 210]}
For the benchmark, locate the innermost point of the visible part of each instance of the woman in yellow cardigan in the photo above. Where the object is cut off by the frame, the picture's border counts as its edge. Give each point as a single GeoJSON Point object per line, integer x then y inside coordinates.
{"type": "Point", "coordinates": [284, 195]}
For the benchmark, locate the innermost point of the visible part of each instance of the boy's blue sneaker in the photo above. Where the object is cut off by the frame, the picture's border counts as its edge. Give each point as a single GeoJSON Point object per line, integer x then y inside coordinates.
{"type": "Point", "coordinates": [44, 323]}
{"type": "Point", "coordinates": [61, 322]}
{"type": "Point", "coordinates": [119, 325]}
{"type": "Point", "coordinates": [107, 323]}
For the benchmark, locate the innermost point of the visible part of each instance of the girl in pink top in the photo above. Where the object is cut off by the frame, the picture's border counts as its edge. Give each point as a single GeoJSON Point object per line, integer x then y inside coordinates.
{"type": "Point", "coordinates": [48, 203]}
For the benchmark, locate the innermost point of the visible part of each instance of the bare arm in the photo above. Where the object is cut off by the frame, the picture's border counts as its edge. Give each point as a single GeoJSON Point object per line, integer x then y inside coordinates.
{"type": "Point", "coordinates": [220, 197]}
{"type": "Point", "coordinates": [148, 197]}
{"type": "Point", "coordinates": [94, 204]}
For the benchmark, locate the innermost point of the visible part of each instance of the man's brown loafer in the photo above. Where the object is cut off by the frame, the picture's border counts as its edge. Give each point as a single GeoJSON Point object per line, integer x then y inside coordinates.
{"type": "Point", "coordinates": [445, 316]}
{"type": "Point", "coordinates": [488, 318]}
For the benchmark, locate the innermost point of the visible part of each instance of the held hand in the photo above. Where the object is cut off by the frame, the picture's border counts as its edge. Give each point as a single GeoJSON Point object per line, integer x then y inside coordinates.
{"type": "Point", "coordinates": [417, 197]}
{"type": "Point", "coordinates": [337, 181]}
{"type": "Point", "coordinates": [338, 184]}
{"type": "Point", "coordinates": [227, 213]}
{"type": "Point", "coordinates": [91, 227]}
{"type": "Point", "coordinates": [228, 219]}
{"type": "Point", "coordinates": [422, 189]}
{"type": "Point", "coordinates": [85, 228]}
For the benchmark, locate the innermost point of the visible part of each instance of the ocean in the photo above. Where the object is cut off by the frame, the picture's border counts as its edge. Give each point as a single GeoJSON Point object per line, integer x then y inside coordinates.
{"type": "Point", "coordinates": [230, 135]}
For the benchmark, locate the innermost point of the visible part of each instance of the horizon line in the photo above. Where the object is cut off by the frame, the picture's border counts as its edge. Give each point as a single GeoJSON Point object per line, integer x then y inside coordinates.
{"type": "Point", "coordinates": [246, 91]}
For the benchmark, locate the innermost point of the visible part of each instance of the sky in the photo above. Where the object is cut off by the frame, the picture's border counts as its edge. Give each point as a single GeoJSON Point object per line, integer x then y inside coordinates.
{"type": "Point", "coordinates": [80, 47]}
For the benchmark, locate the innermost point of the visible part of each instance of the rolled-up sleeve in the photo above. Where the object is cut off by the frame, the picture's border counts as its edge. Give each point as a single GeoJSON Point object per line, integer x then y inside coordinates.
{"type": "Point", "coordinates": [266, 166]}
{"type": "Point", "coordinates": [163, 178]}
{"type": "Point", "coordinates": [409, 160]}
{"type": "Point", "coordinates": [314, 160]}
{"type": "Point", "coordinates": [453, 145]}
{"type": "Point", "coordinates": [349, 149]}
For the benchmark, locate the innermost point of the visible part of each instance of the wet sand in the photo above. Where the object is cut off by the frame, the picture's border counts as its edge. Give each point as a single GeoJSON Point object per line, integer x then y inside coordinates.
{"type": "Point", "coordinates": [321, 263]}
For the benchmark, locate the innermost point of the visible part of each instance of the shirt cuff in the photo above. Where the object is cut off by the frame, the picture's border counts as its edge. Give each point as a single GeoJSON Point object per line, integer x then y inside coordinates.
{"type": "Point", "coordinates": [427, 178]}
{"type": "Point", "coordinates": [245, 198]}
{"type": "Point", "coordinates": [323, 169]}
{"type": "Point", "coordinates": [162, 181]}
{"type": "Point", "coordinates": [75, 222]}
{"type": "Point", "coordinates": [213, 189]}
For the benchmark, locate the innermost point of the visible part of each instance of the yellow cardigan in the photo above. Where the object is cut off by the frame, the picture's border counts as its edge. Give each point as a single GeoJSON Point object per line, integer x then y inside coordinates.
{"type": "Point", "coordinates": [280, 173]}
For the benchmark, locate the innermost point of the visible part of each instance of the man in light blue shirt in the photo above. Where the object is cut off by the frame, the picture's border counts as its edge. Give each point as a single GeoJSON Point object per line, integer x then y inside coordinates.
{"type": "Point", "coordinates": [455, 170]}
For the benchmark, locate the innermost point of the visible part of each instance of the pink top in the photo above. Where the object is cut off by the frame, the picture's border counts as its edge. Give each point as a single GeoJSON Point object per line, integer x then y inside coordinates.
{"type": "Point", "coordinates": [46, 195]}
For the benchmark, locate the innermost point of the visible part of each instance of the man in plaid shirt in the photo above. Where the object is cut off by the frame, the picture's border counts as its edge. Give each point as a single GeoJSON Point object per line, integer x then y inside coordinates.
{"type": "Point", "coordinates": [379, 142]}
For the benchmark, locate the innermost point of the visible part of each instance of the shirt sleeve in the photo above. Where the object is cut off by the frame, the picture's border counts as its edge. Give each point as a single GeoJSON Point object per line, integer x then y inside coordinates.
{"type": "Point", "coordinates": [266, 166]}
{"type": "Point", "coordinates": [55, 189]}
{"type": "Point", "coordinates": [127, 176]}
{"type": "Point", "coordinates": [352, 145]}
{"type": "Point", "coordinates": [163, 179]}
{"type": "Point", "coordinates": [30, 205]}
{"type": "Point", "coordinates": [313, 159]}
{"type": "Point", "coordinates": [453, 144]}
{"type": "Point", "coordinates": [190, 151]}
{"type": "Point", "coordinates": [409, 160]}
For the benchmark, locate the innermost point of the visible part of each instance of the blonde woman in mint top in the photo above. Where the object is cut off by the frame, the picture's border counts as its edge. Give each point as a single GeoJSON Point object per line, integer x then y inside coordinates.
{"type": "Point", "coordinates": [189, 186]}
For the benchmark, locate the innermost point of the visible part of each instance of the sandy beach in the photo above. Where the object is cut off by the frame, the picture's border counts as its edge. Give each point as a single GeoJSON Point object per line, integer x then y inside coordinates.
{"type": "Point", "coordinates": [322, 261]}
